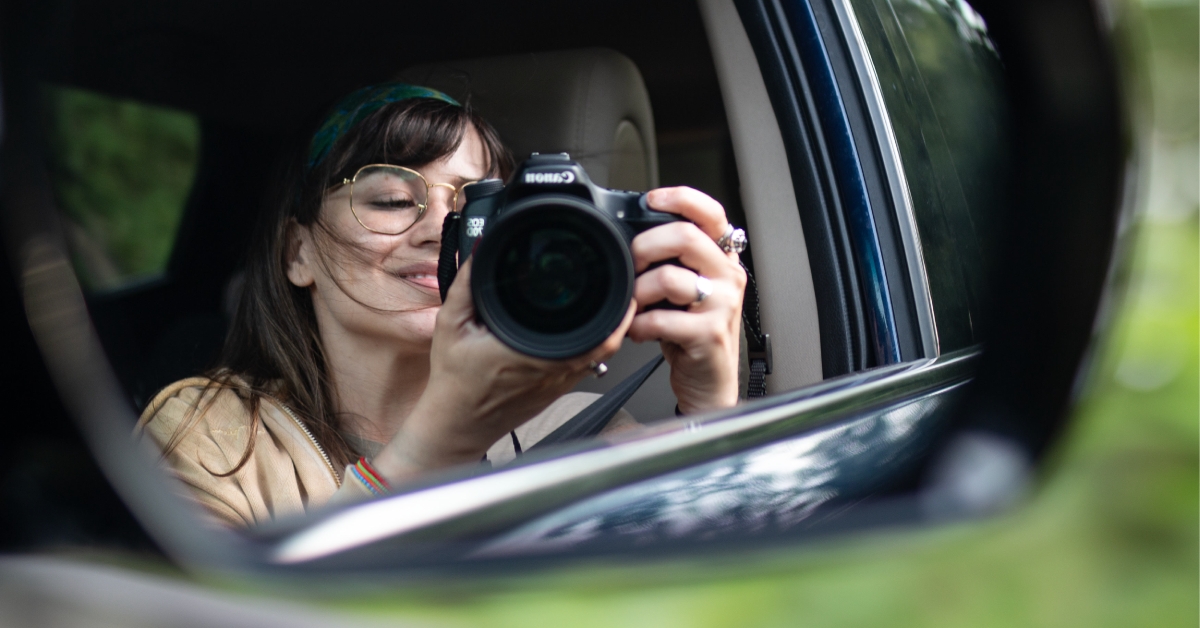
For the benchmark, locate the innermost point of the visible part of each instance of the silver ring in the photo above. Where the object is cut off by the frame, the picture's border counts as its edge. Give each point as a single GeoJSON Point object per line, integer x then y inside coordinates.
{"type": "Point", "coordinates": [598, 368]}
{"type": "Point", "coordinates": [733, 240]}
{"type": "Point", "coordinates": [703, 288]}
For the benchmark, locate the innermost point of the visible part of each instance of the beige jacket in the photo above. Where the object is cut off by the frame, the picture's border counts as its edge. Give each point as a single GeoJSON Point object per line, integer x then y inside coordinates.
{"type": "Point", "coordinates": [288, 472]}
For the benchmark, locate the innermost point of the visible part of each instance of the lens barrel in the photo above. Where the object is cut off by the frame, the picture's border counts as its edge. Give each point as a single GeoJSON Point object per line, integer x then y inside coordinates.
{"type": "Point", "coordinates": [554, 276]}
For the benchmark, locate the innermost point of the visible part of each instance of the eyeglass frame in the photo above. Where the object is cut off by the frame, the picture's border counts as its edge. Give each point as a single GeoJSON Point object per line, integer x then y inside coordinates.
{"type": "Point", "coordinates": [423, 206]}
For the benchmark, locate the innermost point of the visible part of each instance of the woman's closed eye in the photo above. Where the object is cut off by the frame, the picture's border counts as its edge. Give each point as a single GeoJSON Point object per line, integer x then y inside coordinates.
{"type": "Point", "coordinates": [393, 204]}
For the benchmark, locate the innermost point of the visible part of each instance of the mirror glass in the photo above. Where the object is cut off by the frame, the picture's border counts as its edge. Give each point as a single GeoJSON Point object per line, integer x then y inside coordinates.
{"type": "Point", "coordinates": [166, 189]}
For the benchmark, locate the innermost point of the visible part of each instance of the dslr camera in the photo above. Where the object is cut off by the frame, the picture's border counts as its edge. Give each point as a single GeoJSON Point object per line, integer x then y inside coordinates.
{"type": "Point", "coordinates": [553, 273]}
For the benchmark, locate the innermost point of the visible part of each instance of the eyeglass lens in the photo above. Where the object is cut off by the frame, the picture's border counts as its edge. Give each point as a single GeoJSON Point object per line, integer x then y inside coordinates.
{"type": "Point", "coordinates": [390, 199]}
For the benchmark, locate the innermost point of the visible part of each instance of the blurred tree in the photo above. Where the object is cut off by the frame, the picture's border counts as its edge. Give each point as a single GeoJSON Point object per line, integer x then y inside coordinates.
{"type": "Point", "coordinates": [122, 171]}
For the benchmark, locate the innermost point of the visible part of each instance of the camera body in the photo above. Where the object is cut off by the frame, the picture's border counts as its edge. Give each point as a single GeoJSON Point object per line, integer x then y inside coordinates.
{"type": "Point", "coordinates": [552, 274]}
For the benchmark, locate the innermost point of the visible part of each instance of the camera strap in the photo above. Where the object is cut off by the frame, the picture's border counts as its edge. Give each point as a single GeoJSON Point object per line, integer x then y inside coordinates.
{"type": "Point", "coordinates": [758, 344]}
{"type": "Point", "coordinates": [448, 256]}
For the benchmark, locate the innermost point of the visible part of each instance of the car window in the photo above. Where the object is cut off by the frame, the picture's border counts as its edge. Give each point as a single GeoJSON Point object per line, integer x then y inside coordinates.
{"type": "Point", "coordinates": [939, 75]}
{"type": "Point", "coordinates": [122, 171]}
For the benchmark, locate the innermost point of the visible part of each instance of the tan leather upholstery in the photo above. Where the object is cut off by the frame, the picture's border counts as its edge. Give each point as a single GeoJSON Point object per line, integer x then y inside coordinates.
{"type": "Point", "coordinates": [590, 103]}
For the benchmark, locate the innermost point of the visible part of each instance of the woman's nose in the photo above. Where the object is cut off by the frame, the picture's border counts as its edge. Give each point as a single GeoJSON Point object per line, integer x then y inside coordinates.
{"type": "Point", "coordinates": [442, 197]}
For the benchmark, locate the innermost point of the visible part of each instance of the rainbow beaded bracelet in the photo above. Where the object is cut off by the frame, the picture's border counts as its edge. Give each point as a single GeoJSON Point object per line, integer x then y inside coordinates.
{"type": "Point", "coordinates": [370, 478]}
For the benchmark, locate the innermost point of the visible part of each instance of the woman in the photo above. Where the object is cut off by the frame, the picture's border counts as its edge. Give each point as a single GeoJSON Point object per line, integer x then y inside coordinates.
{"type": "Point", "coordinates": [342, 355]}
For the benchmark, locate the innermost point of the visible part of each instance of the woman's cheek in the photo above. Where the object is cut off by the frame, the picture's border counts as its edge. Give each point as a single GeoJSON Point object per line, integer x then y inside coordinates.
{"type": "Point", "coordinates": [420, 323]}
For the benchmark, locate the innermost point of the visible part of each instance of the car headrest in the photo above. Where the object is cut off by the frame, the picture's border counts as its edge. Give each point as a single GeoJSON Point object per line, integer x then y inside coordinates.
{"type": "Point", "coordinates": [590, 103]}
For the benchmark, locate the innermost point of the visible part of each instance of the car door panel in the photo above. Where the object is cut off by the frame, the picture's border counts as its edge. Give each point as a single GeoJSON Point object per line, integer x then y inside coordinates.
{"type": "Point", "coordinates": [766, 491]}
{"type": "Point", "coordinates": [894, 412]}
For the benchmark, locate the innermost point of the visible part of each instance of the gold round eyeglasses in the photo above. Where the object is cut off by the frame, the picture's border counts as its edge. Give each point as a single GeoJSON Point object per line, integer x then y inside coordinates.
{"type": "Point", "coordinates": [389, 199]}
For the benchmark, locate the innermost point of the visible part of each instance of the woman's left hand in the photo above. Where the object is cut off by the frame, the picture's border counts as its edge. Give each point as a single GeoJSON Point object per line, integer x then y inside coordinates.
{"type": "Point", "coordinates": [701, 344]}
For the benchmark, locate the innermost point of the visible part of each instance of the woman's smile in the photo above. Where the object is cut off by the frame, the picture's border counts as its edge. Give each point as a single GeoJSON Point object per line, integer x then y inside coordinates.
{"type": "Point", "coordinates": [420, 274]}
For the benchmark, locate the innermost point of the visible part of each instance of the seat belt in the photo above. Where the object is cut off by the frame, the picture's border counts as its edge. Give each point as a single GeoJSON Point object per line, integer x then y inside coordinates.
{"type": "Point", "coordinates": [591, 420]}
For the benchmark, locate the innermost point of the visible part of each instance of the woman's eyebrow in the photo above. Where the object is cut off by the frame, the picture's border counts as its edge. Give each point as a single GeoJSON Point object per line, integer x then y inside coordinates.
{"type": "Point", "coordinates": [458, 178]}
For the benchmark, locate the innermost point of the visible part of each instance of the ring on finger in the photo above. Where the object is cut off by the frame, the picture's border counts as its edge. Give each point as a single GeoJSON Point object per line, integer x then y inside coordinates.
{"type": "Point", "coordinates": [599, 369]}
{"type": "Point", "coordinates": [733, 240]}
{"type": "Point", "coordinates": [704, 288]}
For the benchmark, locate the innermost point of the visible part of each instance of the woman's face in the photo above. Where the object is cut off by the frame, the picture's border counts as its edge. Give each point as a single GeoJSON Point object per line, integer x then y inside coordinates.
{"type": "Point", "coordinates": [381, 288]}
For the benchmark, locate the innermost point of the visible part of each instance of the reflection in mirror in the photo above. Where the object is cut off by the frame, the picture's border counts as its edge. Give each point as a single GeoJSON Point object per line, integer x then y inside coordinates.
{"type": "Point", "coordinates": [348, 410]}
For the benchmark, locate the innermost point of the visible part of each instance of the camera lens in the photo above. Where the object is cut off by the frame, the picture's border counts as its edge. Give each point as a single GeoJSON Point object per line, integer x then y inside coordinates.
{"type": "Point", "coordinates": [553, 276]}
{"type": "Point", "coordinates": [551, 279]}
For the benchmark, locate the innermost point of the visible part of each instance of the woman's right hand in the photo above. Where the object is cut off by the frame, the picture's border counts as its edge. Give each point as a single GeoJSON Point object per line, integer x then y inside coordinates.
{"type": "Point", "coordinates": [479, 390]}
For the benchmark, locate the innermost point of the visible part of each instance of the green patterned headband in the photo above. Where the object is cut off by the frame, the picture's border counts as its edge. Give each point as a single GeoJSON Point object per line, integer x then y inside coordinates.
{"type": "Point", "coordinates": [358, 105]}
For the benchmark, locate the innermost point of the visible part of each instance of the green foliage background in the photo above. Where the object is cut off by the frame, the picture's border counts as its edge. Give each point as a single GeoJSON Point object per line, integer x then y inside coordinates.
{"type": "Point", "coordinates": [122, 171]}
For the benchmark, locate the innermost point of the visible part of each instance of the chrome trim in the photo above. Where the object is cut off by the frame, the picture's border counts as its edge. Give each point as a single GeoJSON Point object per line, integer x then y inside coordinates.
{"type": "Point", "coordinates": [477, 505]}
{"type": "Point", "coordinates": [885, 136]}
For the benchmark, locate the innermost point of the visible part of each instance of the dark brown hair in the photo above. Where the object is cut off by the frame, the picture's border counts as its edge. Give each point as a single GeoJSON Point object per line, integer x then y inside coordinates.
{"type": "Point", "coordinates": [273, 348]}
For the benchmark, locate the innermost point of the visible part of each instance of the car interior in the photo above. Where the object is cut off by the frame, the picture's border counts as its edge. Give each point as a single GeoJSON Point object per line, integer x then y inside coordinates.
{"type": "Point", "coordinates": [638, 107]}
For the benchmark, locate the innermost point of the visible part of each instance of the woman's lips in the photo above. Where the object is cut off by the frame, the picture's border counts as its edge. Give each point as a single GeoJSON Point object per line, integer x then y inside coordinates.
{"type": "Point", "coordinates": [423, 280]}
{"type": "Point", "coordinates": [422, 274]}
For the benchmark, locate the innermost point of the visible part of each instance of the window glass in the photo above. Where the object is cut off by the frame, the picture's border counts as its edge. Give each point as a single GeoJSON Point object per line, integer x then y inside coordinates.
{"type": "Point", "coordinates": [122, 171]}
{"type": "Point", "coordinates": [941, 81]}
